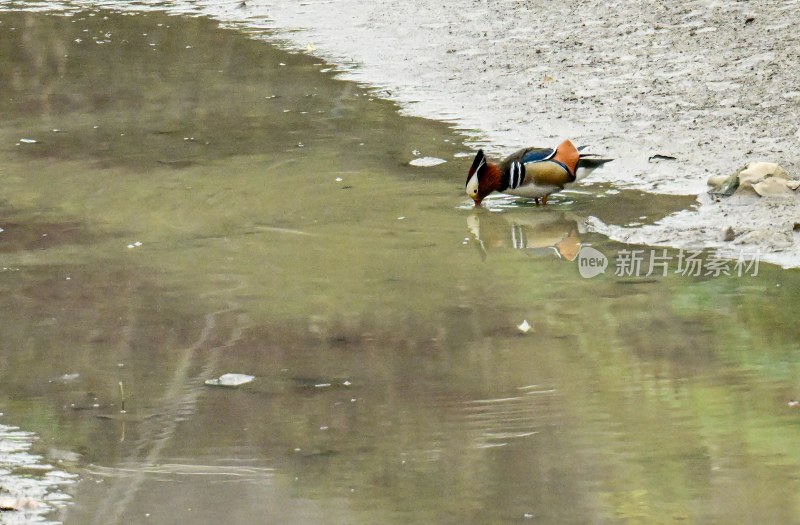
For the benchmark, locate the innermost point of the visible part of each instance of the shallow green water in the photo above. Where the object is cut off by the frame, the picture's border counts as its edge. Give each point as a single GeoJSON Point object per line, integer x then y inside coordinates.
{"type": "Point", "coordinates": [211, 204]}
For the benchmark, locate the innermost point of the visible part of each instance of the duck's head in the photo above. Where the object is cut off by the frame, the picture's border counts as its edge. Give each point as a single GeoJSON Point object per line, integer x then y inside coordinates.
{"type": "Point", "coordinates": [481, 178]}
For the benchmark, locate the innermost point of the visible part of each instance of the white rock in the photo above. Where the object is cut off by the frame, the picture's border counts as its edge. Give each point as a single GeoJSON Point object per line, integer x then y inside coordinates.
{"type": "Point", "coordinates": [772, 187]}
{"type": "Point", "coordinates": [230, 380]}
{"type": "Point", "coordinates": [716, 180]}
{"type": "Point", "coordinates": [426, 162]}
{"type": "Point", "coordinates": [758, 171]}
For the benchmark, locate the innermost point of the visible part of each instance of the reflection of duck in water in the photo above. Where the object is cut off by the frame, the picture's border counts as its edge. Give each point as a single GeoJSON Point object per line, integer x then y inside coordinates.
{"type": "Point", "coordinates": [531, 172]}
{"type": "Point", "coordinates": [537, 234]}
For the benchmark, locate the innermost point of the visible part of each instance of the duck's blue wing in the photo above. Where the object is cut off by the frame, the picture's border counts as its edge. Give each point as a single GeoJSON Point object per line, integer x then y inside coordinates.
{"type": "Point", "coordinates": [528, 155]}
{"type": "Point", "coordinates": [536, 155]}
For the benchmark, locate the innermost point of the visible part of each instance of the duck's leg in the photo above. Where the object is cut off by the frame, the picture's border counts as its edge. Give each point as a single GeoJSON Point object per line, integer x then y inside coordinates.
{"type": "Point", "coordinates": [536, 200]}
{"type": "Point", "coordinates": [544, 200]}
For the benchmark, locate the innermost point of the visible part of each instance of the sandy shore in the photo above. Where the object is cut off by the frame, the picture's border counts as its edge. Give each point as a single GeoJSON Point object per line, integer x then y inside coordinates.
{"type": "Point", "coordinates": [714, 84]}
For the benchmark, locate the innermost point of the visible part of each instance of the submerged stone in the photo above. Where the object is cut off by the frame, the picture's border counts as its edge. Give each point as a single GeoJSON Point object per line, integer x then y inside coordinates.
{"type": "Point", "coordinates": [426, 162]}
{"type": "Point", "coordinates": [230, 380]}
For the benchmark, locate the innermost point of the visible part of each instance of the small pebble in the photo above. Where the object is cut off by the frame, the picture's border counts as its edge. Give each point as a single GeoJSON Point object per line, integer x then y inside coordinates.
{"type": "Point", "coordinates": [728, 234]}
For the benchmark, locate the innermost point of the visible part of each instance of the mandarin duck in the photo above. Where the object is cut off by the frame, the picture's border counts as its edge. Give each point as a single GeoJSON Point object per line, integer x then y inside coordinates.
{"type": "Point", "coordinates": [530, 172]}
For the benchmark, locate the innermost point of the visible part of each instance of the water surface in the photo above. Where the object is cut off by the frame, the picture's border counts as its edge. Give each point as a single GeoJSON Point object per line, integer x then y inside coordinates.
{"type": "Point", "coordinates": [189, 202]}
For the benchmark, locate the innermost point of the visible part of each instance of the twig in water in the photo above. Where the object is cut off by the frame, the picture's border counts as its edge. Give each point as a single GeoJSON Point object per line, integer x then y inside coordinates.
{"type": "Point", "coordinates": [122, 396]}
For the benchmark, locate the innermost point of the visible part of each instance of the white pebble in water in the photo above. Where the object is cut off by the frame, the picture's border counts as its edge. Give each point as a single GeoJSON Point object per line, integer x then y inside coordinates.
{"type": "Point", "coordinates": [426, 162]}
